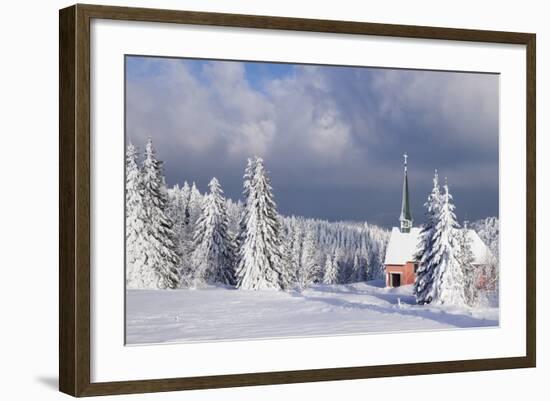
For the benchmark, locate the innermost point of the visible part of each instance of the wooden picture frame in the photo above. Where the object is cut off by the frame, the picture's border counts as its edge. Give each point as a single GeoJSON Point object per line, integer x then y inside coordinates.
{"type": "Point", "coordinates": [74, 199]}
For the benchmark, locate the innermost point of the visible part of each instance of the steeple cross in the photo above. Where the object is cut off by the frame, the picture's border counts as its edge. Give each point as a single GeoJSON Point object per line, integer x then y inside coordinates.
{"type": "Point", "coordinates": [405, 157]}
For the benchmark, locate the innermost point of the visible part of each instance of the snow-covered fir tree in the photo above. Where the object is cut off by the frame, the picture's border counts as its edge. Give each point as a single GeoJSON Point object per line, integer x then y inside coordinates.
{"type": "Point", "coordinates": [135, 227]}
{"type": "Point", "coordinates": [309, 268]}
{"type": "Point", "coordinates": [195, 205]}
{"type": "Point", "coordinates": [260, 259]}
{"type": "Point", "coordinates": [341, 258]}
{"type": "Point", "coordinates": [244, 214]}
{"type": "Point", "coordinates": [426, 257]}
{"type": "Point", "coordinates": [363, 255]}
{"type": "Point", "coordinates": [183, 236]}
{"type": "Point", "coordinates": [288, 267]}
{"type": "Point", "coordinates": [359, 269]}
{"type": "Point", "coordinates": [192, 201]}
{"type": "Point", "coordinates": [465, 257]}
{"type": "Point", "coordinates": [160, 268]}
{"type": "Point", "coordinates": [331, 271]}
{"type": "Point", "coordinates": [176, 213]}
{"type": "Point", "coordinates": [234, 210]}
{"type": "Point", "coordinates": [448, 278]}
{"type": "Point", "coordinates": [287, 271]}
{"type": "Point", "coordinates": [185, 199]}
{"type": "Point", "coordinates": [296, 239]}
{"type": "Point", "coordinates": [214, 253]}
{"type": "Point", "coordinates": [173, 195]}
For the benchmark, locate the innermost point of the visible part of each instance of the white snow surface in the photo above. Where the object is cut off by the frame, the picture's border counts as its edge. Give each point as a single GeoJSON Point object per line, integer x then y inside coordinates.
{"type": "Point", "coordinates": [216, 313]}
{"type": "Point", "coordinates": [403, 246]}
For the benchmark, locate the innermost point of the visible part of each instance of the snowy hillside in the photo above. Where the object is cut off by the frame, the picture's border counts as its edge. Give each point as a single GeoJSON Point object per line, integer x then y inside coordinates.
{"type": "Point", "coordinates": [189, 315]}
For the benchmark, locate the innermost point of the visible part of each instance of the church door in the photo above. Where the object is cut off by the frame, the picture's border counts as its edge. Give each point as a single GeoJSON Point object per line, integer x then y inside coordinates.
{"type": "Point", "coordinates": [395, 279]}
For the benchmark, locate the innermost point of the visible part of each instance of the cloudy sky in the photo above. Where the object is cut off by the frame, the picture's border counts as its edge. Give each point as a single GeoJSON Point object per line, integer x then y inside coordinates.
{"type": "Point", "coordinates": [332, 137]}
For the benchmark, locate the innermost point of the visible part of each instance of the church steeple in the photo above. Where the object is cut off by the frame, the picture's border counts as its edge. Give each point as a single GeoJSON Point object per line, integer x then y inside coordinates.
{"type": "Point", "coordinates": [405, 219]}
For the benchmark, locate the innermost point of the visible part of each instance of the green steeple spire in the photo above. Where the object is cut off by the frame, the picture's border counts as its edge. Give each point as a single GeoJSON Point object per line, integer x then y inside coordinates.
{"type": "Point", "coordinates": [405, 218]}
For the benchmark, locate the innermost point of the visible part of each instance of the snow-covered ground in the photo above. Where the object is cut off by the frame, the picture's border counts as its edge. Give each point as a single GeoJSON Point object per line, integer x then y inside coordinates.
{"type": "Point", "coordinates": [218, 313]}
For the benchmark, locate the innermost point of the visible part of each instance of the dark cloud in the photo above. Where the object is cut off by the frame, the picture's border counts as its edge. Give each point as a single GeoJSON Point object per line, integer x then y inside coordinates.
{"type": "Point", "coordinates": [332, 137]}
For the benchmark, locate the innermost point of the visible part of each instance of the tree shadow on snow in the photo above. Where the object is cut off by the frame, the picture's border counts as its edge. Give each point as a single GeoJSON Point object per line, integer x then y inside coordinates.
{"type": "Point", "coordinates": [341, 289]}
{"type": "Point", "coordinates": [460, 321]}
{"type": "Point", "coordinates": [395, 298]}
{"type": "Point", "coordinates": [391, 297]}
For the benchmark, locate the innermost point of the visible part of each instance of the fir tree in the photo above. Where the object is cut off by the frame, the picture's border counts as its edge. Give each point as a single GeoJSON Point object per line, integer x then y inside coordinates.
{"type": "Point", "coordinates": [465, 257]}
{"type": "Point", "coordinates": [260, 259]}
{"type": "Point", "coordinates": [359, 268]}
{"type": "Point", "coordinates": [363, 253]}
{"type": "Point", "coordinates": [135, 227]}
{"type": "Point", "coordinates": [161, 264]}
{"type": "Point", "coordinates": [194, 206]}
{"type": "Point", "coordinates": [192, 200]}
{"type": "Point", "coordinates": [286, 260]}
{"type": "Point", "coordinates": [214, 248]}
{"type": "Point", "coordinates": [185, 198]}
{"type": "Point", "coordinates": [425, 256]}
{"type": "Point", "coordinates": [340, 260]}
{"type": "Point", "coordinates": [234, 210]}
{"type": "Point", "coordinates": [287, 271]}
{"type": "Point", "coordinates": [331, 271]}
{"type": "Point", "coordinates": [184, 234]}
{"type": "Point", "coordinates": [297, 243]}
{"type": "Point", "coordinates": [309, 269]}
{"type": "Point", "coordinates": [176, 213]}
{"type": "Point", "coordinates": [248, 177]}
{"type": "Point", "coordinates": [448, 279]}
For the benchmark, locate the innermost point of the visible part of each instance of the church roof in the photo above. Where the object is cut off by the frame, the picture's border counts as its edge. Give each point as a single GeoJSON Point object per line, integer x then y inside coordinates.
{"type": "Point", "coordinates": [402, 246]}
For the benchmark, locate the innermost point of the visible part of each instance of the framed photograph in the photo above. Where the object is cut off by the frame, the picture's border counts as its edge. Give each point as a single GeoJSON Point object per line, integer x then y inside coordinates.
{"type": "Point", "coordinates": [250, 200]}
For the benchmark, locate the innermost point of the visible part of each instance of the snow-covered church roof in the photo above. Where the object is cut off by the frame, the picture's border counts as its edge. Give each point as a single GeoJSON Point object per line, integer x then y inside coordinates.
{"type": "Point", "coordinates": [402, 246]}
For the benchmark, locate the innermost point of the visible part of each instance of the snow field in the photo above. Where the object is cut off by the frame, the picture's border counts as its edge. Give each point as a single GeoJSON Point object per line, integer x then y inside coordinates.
{"type": "Point", "coordinates": [214, 313]}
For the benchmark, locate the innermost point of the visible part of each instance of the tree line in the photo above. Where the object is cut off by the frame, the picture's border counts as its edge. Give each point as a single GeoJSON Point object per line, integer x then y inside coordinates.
{"type": "Point", "coordinates": [177, 237]}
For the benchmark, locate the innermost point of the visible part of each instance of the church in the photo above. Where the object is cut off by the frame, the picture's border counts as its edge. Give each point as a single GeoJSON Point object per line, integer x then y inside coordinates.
{"type": "Point", "coordinates": [400, 264]}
